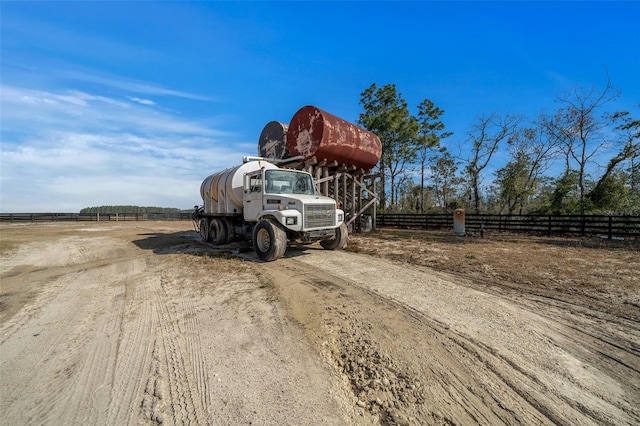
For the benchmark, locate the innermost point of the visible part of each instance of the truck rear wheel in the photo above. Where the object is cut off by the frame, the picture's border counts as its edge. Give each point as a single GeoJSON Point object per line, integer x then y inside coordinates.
{"type": "Point", "coordinates": [231, 234]}
{"type": "Point", "coordinates": [218, 232]}
{"type": "Point", "coordinates": [339, 241]}
{"type": "Point", "coordinates": [203, 226]}
{"type": "Point", "coordinates": [269, 240]}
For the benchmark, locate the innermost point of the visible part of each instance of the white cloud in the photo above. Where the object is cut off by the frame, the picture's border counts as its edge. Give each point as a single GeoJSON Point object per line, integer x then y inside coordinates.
{"type": "Point", "coordinates": [130, 85]}
{"type": "Point", "coordinates": [23, 107]}
{"type": "Point", "coordinates": [69, 171]}
{"type": "Point", "coordinates": [141, 101]}
{"type": "Point", "coordinates": [65, 150]}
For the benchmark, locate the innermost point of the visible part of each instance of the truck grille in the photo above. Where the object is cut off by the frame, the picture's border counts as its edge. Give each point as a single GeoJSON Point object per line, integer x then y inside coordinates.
{"type": "Point", "coordinates": [319, 216]}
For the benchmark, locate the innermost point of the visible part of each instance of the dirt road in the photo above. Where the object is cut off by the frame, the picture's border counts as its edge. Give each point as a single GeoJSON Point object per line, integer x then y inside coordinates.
{"type": "Point", "coordinates": [140, 323]}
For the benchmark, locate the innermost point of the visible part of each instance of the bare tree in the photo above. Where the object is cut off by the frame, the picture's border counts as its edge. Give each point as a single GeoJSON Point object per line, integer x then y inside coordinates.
{"type": "Point", "coordinates": [579, 126]}
{"type": "Point", "coordinates": [485, 138]}
{"type": "Point", "coordinates": [444, 170]}
{"type": "Point", "coordinates": [531, 153]}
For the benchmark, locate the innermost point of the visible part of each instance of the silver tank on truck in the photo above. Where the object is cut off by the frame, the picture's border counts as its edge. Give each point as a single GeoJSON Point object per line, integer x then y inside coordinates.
{"type": "Point", "coordinates": [222, 192]}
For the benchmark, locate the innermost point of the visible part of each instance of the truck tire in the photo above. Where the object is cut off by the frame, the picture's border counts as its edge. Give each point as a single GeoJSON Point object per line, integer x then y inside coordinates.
{"type": "Point", "coordinates": [203, 228]}
{"type": "Point", "coordinates": [231, 233]}
{"type": "Point", "coordinates": [218, 232]}
{"type": "Point", "coordinates": [269, 240]}
{"type": "Point", "coordinates": [339, 241]}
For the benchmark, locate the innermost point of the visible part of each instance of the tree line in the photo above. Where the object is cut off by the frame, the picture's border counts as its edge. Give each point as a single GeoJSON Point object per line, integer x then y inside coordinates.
{"type": "Point", "coordinates": [131, 209]}
{"type": "Point", "coordinates": [553, 161]}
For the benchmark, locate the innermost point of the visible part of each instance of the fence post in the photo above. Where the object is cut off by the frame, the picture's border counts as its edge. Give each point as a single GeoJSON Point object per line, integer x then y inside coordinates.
{"type": "Point", "coordinates": [426, 221]}
{"type": "Point", "coordinates": [610, 227]}
{"type": "Point", "coordinates": [549, 228]}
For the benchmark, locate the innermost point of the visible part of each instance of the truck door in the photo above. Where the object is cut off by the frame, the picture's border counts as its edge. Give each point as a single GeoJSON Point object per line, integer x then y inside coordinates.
{"type": "Point", "coordinates": [253, 190]}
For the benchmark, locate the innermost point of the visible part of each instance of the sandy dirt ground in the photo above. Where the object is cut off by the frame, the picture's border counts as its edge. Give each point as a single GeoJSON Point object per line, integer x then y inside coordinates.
{"type": "Point", "coordinates": [141, 323]}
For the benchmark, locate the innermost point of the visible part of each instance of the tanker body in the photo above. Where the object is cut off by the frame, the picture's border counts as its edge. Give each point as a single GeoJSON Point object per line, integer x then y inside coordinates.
{"type": "Point", "coordinates": [270, 206]}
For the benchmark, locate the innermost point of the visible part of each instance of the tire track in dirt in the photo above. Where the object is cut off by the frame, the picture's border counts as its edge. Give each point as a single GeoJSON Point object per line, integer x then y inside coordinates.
{"type": "Point", "coordinates": [145, 335]}
{"type": "Point", "coordinates": [180, 364]}
{"type": "Point", "coordinates": [134, 350]}
{"type": "Point", "coordinates": [38, 348]}
{"type": "Point", "coordinates": [191, 330]}
{"type": "Point", "coordinates": [397, 371]}
{"type": "Point", "coordinates": [124, 330]}
{"type": "Point", "coordinates": [504, 363]}
{"type": "Point", "coordinates": [75, 345]}
{"type": "Point", "coordinates": [97, 358]}
{"type": "Point", "coordinates": [42, 283]}
{"type": "Point", "coordinates": [612, 326]}
{"type": "Point", "coordinates": [602, 339]}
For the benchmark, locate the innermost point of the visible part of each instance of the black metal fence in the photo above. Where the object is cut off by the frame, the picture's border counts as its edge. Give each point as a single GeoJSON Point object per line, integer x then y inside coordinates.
{"type": "Point", "coordinates": [604, 225]}
{"type": "Point", "coordinates": [90, 217]}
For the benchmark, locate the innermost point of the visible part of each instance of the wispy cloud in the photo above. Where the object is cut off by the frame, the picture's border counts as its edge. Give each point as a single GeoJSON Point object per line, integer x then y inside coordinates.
{"type": "Point", "coordinates": [141, 101]}
{"type": "Point", "coordinates": [67, 149]}
{"type": "Point", "coordinates": [24, 107]}
{"type": "Point", "coordinates": [130, 85]}
{"type": "Point", "coordinates": [68, 171]}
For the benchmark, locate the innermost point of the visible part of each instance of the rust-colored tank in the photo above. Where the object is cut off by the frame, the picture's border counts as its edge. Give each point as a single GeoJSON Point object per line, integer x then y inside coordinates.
{"type": "Point", "coordinates": [273, 141]}
{"type": "Point", "coordinates": [314, 132]}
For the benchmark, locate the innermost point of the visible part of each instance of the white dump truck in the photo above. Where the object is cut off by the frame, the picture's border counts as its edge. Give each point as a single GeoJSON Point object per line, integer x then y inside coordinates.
{"type": "Point", "coordinates": [270, 206]}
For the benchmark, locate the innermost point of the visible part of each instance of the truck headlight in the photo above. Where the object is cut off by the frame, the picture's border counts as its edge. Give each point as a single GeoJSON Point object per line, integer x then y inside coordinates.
{"type": "Point", "coordinates": [291, 220]}
{"type": "Point", "coordinates": [340, 217]}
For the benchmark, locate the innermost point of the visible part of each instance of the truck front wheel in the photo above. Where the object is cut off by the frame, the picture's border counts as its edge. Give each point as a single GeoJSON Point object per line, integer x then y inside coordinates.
{"type": "Point", "coordinates": [269, 240]}
{"type": "Point", "coordinates": [339, 241]}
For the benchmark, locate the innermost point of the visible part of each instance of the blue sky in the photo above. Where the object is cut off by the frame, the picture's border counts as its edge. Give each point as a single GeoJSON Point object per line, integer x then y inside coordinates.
{"type": "Point", "coordinates": [137, 102]}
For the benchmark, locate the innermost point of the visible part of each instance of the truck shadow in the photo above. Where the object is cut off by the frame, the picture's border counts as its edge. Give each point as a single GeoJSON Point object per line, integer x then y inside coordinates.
{"type": "Point", "coordinates": [188, 242]}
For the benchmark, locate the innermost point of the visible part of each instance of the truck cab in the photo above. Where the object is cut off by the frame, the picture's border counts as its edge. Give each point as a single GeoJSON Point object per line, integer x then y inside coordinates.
{"type": "Point", "coordinates": [289, 197]}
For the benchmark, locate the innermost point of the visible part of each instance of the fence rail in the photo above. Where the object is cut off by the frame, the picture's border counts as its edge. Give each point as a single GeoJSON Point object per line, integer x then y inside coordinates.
{"type": "Point", "coordinates": [609, 226]}
{"type": "Point", "coordinates": [90, 217]}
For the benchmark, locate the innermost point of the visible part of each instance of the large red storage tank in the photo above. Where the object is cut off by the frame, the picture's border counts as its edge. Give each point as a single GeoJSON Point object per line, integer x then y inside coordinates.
{"type": "Point", "coordinates": [314, 132]}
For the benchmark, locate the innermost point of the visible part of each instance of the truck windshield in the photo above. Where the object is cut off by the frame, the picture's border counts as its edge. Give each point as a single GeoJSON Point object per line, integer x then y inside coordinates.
{"type": "Point", "coordinates": [288, 182]}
